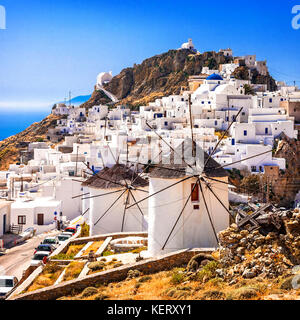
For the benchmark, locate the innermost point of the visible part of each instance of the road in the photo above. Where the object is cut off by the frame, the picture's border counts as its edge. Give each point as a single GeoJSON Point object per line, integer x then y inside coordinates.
{"type": "Point", "coordinates": [18, 258]}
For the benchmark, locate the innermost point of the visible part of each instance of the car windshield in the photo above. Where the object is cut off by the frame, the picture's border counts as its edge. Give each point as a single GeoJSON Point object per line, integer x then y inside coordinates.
{"type": "Point", "coordinates": [6, 283]}
{"type": "Point", "coordinates": [50, 241]}
{"type": "Point", "coordinates": [39, 256]}
{"type": "Point", "coordinates": [44, 248]}
{"type": "Point", "coordinates": [63, 238]}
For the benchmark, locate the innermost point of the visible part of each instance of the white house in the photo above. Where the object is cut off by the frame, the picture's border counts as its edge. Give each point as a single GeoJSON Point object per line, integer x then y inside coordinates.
{"type": "Point", "coordinates": [38, 213]}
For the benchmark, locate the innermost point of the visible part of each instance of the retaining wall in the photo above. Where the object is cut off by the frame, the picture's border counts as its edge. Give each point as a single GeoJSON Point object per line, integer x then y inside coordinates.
{"type": "Point", "coordinates": [149, 266]}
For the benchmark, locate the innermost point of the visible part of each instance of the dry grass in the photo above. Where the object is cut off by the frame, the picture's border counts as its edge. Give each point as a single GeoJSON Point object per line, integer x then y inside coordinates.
{"type": "Point", "coordinates": [159, 287]}
{"type": "Point", "coordinates": [74, 249]}
{"type": "Point", "coordinates": [94, 247]}
{"type": "Point", "coordinates": [47, 278]}
{"type": "Point", "coordinates": [70, 254]}
{"type": "Point", "coordinates": [73, 270]}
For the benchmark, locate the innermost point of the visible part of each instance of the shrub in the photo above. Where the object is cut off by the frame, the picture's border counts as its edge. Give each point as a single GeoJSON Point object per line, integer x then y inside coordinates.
{"type": "Point", "coordinates": [95, 266]}
{"type": "Point", "coordinates": [213, 295]}
{"type": "Point", "coordinates": [177, 276]}
{"type": "Point", "coordinates": [85, 230]}
{"type": "Point", "coordinates": [208, 271]}
{"type": "Point", "coordinates": [133, 274]}
{"type": "Point", "coordinates": [145, 279]}
{"type": "Point", "coordinates": [119, 264]}
{"type": "Point", "coordinates": [90, 291]}
{"type": "Point", "coordinates": [245, 293]}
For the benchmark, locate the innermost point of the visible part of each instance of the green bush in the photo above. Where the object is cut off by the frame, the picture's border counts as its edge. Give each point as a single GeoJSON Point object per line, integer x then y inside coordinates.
{"type": "Point", "coordinates": [208, 271]}
{"type": "Point", "coordinates": [95, 266]}
{"type": "Point", "coordinates": [85, 230]}
{"type": "Point", "coordinates": [177, 276]}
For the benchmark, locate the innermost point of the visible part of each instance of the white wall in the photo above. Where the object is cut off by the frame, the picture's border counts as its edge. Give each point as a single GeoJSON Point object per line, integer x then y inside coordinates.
{"type": "Point", "coordinates": [112, 221]}
{"type": "Point", "coordinates": [193, 229]}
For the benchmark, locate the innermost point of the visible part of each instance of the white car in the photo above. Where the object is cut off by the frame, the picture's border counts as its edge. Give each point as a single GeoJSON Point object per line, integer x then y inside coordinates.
{"type": "Point", "coordinates": [63, 237]}
{"type": "Point", "coordinates": [51, 240]}
{"type": "Point", "coordinates": [28, 233]}
{"type": "Point", "coordinates": [7, 284]}
{"type": "Point", "coordinates": [37, 259]}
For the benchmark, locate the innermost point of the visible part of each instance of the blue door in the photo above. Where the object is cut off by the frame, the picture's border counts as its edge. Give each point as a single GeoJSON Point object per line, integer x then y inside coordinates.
{"type": "Point", "coordinates": [233, 142]}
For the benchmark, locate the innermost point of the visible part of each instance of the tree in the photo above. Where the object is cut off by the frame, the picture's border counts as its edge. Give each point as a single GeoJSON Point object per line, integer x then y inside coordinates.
{"type": "Point", "coordinates": [249, 90]}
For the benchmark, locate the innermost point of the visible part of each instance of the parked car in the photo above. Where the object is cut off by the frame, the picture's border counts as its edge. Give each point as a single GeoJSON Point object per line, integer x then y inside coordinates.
{"type": "Point", "coordinates": [28, 233]}
{"type": "Point", "coordinates": [51, 240]}
{"type": "Point", "coordinates": [67, 234]}
{"type": "Point", "coordinates": [63, 237]}
{"type": "Point", "coordinates": [71, 229]}
{"type": "Point", "coordinates": [7, 284]}
{"type": "Point", "coordinates": [45, 247]}
{"type": "Point", "coordinates": [38, 258]}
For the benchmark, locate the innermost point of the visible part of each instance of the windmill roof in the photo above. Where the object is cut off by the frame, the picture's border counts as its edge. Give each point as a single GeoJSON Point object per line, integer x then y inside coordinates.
{"type": "Point", "coordinates": [118, 173]}
{"type": "Point", "coordinates": [173, 170]}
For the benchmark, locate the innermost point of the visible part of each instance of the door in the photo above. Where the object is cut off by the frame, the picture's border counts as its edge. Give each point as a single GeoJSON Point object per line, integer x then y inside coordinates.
{"type": "Point", "coordinates": [4, 223]}
{"type": "Point", "coordinates": [40, 219]}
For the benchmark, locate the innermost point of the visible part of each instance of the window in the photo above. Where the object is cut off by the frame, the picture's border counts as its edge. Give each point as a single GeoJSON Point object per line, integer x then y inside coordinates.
{"type": "Point", "coordinates": [216, 123]}
{"type": "Point", "coordinates": [21, 219]}
{"type": "Point", "coordinates": [266, 130]}
{"type": "Point", "coordinates": [253, 168]}
{"type": "Point", "coordinates": [270, 100]}
{"type": "Point", "coordinates": [243, 113]}
{"type": "Point", "coordinates": [195, 193]}
{"type": "Point", "coordinates": [245, 133]}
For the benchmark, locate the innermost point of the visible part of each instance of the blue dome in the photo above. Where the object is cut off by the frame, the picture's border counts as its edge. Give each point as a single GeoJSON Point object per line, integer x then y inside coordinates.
{"type": "Point", "coordinates": [214, 76]}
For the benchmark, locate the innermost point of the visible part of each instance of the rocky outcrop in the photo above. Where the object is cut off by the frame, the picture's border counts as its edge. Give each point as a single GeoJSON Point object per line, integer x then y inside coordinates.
{"type": "Point", "coordinates": [10, 148]}
{"type": "Point", "coordinates": [161, 75]}
{"type": "Point", "coordinates": [250, 254]}
{"type": "Point", "coordinates": [286, 186]}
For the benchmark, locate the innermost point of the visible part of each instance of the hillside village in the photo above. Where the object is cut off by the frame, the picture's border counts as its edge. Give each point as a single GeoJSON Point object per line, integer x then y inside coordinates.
{"type": "Point", "coordinates": [164, 176]}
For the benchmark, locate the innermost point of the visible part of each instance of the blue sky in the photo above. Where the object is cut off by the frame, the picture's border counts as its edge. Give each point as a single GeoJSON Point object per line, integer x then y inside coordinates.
{"type": "Point", "coordinates": [51, 47]}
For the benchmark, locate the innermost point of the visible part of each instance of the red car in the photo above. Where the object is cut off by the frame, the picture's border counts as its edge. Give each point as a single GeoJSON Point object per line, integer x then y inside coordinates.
{"type": "Point", "coordinates": [71, 229]}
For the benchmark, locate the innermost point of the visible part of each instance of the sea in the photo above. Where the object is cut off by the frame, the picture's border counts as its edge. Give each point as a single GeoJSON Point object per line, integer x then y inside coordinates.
{"type": "Point", "coordinates": [12, 122]}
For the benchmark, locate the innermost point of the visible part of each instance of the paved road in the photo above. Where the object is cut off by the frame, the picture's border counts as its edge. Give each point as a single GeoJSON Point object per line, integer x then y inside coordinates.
{"type": "Point", "coordinates": [18, 258]}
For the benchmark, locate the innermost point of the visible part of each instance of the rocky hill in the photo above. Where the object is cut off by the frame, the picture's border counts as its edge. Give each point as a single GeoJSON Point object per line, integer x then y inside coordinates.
{"type": "Point", "coordinates": [287, 185]}
{"type": "Point", "coordinates": [10, 147]}
{"type": "Point", "coordinates": [163, 75]}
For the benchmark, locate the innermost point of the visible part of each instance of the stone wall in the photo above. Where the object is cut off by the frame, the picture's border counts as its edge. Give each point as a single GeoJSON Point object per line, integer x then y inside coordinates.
{"type": "Point", "coordinates": [149, 266]}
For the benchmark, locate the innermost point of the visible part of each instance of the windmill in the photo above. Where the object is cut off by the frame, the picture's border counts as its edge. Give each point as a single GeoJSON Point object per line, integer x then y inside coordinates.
{"type": "Point", "coordinates": [188, 201]}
